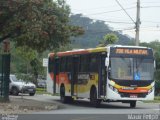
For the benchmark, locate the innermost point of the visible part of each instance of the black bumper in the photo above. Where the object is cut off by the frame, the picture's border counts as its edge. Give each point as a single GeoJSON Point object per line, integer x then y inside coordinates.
{"type": "Point", "coordinates": [27, 90]}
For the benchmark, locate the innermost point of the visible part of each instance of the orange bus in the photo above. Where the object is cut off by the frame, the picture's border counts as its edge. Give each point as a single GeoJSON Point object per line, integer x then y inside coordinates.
{"type": "Point", "coordinates": [113, 73]}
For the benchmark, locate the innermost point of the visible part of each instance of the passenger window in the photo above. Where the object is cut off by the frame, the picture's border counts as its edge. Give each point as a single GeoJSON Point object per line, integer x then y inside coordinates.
{"type": "Point", "coordinates": [84, 61]}
{"type": "Point", "coordinates": [94, 60]}
{"type": "Point", "coordinates": [68, 64]}
{"type": "Point", "coordinates": [63, 64]}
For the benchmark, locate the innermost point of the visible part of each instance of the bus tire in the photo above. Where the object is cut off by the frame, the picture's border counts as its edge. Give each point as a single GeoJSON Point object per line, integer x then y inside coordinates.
{"type": "Point", "coordinates": [93, 98]}
{"type": "Point", "coordinates": [65, 99]}
{"type": "Point", "coordinates": [133, 104]}
{"type": "Point", "coordinates": [69, 99]}
{"type": "Point", "coordinates": [62, 94]}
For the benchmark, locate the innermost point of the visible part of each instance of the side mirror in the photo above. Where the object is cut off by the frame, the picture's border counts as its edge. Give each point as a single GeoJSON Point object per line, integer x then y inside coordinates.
{"type": "Point", "coordinates": [107, 62]}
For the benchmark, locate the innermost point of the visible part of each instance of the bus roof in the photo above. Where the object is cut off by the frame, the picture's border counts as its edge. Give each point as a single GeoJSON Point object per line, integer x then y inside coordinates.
{"type": "Point", "coordinates": [92, 50]}
{"type": "Point", "coordinates": [82, 51]}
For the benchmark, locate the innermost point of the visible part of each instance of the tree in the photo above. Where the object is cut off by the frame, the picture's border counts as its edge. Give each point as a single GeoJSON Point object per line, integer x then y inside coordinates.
{"type": "Point", "coordinates": [38, 24]}
{"type": "Point", "coordinates": [110, 38]}
{"type": "Point", "coordinates": [35, 26]}
{"type": "Point", "coordinates": [155, 45]}
{"type": "Point", "coordinates": [26, 62]}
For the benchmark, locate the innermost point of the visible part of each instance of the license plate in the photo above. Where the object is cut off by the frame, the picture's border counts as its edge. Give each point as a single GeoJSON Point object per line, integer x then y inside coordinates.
{"type": "Point", "coordinates": [133, 95]}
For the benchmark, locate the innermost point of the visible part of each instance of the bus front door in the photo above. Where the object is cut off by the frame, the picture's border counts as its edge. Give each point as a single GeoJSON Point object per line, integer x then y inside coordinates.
{"type": "Point", "coordinates": [102, 76]}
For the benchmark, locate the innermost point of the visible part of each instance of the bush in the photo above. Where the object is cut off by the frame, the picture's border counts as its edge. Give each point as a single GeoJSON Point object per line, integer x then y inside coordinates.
{"type": "Point", "coordinates": [157, 88]}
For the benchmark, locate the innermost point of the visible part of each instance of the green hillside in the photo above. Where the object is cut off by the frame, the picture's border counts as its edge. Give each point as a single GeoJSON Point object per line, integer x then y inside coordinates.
{"type": "Point", "coordinates": [94, 32]}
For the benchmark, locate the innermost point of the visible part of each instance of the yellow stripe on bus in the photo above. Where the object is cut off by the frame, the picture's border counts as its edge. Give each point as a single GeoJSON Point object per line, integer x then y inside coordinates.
{"type": "Point", "coordinates": [119, 87]}
{"type": "Point", "coordinates": [99, 49]}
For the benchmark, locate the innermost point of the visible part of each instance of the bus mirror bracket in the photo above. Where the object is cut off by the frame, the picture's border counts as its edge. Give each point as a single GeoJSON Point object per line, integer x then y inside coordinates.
{"type": "Point", "coordinates": [154, 64]}
{"type": "Point", "coordinates": [107, 62]}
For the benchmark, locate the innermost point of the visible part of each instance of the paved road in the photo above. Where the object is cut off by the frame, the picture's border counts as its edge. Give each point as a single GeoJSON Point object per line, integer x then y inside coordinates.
{"type": "Point", "coordinates": [85, 117]}
{"type": "Point", "coordinates": [75, 117]}
{"type": "Point", "coordinates": [82, 110]}
{"type": "Point", "coordinates": [83, 107]}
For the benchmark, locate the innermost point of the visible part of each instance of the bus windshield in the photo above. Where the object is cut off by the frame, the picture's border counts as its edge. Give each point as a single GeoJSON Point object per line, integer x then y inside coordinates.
{"type": "Point", "coordinates": [132, 68]}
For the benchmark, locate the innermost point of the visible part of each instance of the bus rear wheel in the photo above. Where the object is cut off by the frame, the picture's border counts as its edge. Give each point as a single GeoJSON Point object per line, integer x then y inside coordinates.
{"type": "Point", "coordinates": [93, 98]}
{"type": "Point", "coordinates": [133, 104]}
{"type": "Point", "coordinates": [62, 94]}
{"type": "Point", "coordinates": [63, 98]}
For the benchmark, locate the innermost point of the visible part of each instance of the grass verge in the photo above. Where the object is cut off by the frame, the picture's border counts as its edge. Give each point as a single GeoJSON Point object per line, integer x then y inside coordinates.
{"type": "Point", "coordinates": [156, 100]}
{"type": "Point", "coordinates": [43, 91]}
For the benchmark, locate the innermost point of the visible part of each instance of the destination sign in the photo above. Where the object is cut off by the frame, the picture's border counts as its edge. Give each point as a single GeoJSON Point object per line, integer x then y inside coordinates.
{"type": "Point", "coordinates": [131, 51]}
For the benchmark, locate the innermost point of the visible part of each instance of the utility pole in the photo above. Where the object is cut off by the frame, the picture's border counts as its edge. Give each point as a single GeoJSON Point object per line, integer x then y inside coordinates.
{"type": "Point", "coordinates": [137, 24]}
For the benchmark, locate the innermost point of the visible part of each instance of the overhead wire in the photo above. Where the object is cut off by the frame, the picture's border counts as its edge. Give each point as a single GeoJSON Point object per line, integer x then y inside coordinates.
{"type": "Point", "coordinates": [109, 6]}
{"type": "Point", "coordinates": [125, 11]}
{"type": "Point", "coordinates": [151, 21]}
{"type": "Point", "coordinates": [110, 21]}
{"type": "Point", "coordinates": [118, 10]}
{"type": "Point", "coordinates": [123, 22]}
{"type": "Point", "coordinates": [150, 6]}
{"type": "Point", "coordinates": [151, 2]}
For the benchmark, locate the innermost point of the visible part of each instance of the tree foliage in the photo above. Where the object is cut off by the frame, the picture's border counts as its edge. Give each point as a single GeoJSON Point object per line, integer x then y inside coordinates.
{"type": "Point", "coordinates": [26, 63]}
{"type": "Point", "coordinates": [38, 24]}
{"type": "Point", "coordinates": [35, 26]}
{"type": "Point", "coordinates": [155, 45]}
{"type": "Point", "coordinates": [110, 38]}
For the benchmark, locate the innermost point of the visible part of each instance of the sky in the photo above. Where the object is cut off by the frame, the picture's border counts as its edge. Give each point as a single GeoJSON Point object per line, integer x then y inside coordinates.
{"type": "Point", "coordinates": [113, 15]}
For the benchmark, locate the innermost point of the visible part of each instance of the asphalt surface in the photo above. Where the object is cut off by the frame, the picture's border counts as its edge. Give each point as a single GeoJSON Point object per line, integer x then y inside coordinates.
{"type": "Point", "coordinates": [68, 117]}
{"type": "Point", "coordinates": [82, 110]}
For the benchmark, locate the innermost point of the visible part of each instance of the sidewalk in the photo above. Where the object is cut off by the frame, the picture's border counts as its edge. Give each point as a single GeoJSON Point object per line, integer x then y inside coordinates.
{"type": "Point", "coordinates": [22, 106]}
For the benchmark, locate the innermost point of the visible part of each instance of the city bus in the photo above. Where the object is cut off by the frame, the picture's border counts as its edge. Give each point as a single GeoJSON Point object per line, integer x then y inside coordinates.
{"type": "Point", "coordinates": [114, 73]}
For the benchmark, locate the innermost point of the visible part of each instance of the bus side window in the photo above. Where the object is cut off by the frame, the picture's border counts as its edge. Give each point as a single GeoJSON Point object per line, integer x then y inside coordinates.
{"type": "Point", "coordinates": [50, 64]}
{"type": "Point", "coordinates": [84, 61]}
{"type": "Point", "coordinates": [93, 63]}
{"type": "Point", "coordinates": [69, 64]}
{"type": "Point", "coordinates": [62, 64]}
{"type": "Point", "coordinates": [56, 66]}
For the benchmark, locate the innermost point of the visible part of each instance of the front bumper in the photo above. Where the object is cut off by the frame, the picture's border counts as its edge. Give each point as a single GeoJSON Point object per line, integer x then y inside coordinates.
{"type": "Point", "coordinates": [125, 96]}
{"type": "Point", "coordinates": [27, 90]}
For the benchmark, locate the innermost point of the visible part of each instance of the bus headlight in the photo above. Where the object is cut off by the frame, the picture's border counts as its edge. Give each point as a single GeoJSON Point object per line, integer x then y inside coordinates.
{"type": "Point", "coordinates": [149, 91]}
{"type": "Point", "coordinates": [110, 86]}
{"type": "Point", "coordinates": [153, 84]}
{"type": "Point", "coordinates": [113, 88]}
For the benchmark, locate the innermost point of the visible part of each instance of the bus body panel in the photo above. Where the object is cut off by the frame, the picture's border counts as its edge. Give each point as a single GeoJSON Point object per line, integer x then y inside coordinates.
{"type": "Point", "coordinates": [83, 85]}
{"type": "Point", "coordinates": [49, 84]}
{"type": "Point", "coordinates": [85, 82]}
{"type": "Point", "coordinates": [79, 84]}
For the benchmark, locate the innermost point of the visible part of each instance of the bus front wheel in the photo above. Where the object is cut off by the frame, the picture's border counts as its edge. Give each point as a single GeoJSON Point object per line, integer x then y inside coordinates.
{"type": "Point", "coordinates": [133, 104]}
